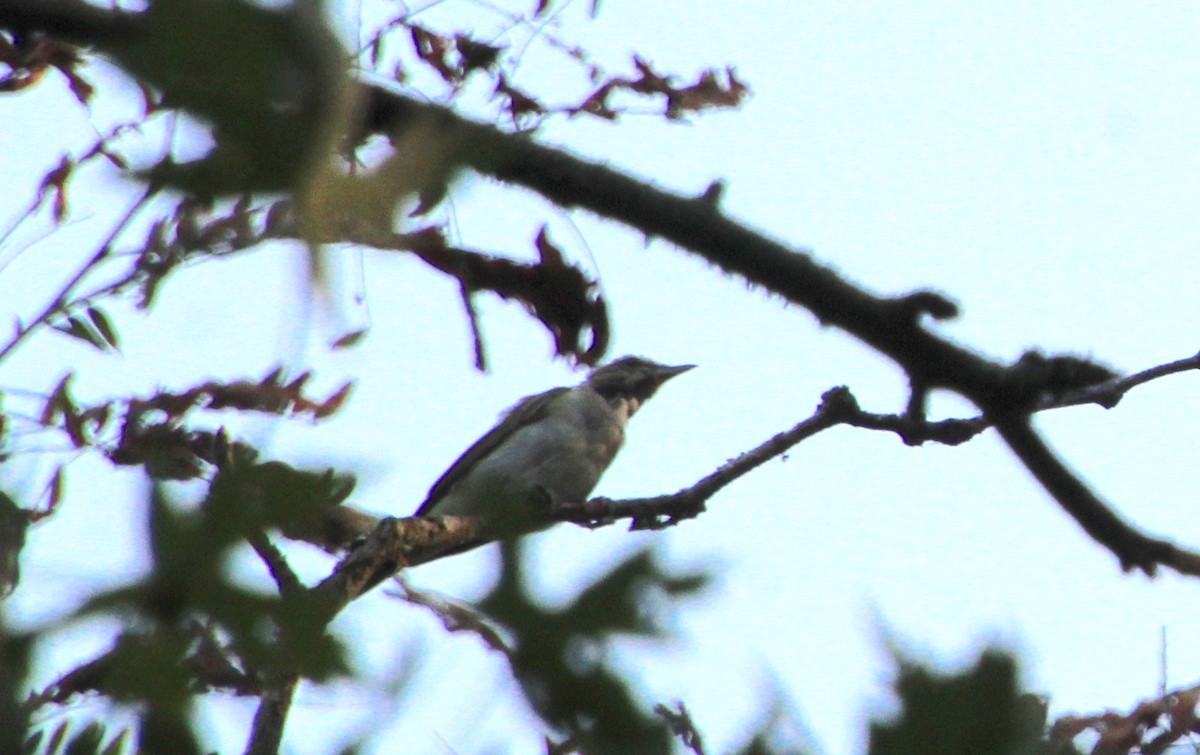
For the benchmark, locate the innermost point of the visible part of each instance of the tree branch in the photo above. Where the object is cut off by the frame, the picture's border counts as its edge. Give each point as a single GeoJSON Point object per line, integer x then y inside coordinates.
{"type": "Point", "coordinates": [894, 326]}
{"type": "Point", "coordinates": [266, 733]}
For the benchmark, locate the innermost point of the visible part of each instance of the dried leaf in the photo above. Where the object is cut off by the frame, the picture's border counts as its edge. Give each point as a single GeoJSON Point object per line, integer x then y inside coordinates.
{"type": "Point", "coordinates": [708, 92]}
{"type": "Point", "coordinates": [273, 378]}
{"type": "Point", "coordinates": [564, 299]}
{"type": "Point", "coordinates": [476, 56]}
{"type": "Point", "coordinates": [334, 402]}
{"type": "Point", "coordinates": [434, 50]}
{"type": "Point", "coordinates": [56, 182]}
{"type": "Point", "coordinates": [296, 387]}
{"type": "Point", "coordinates": [80, 87]}
{"type": "Point", "coordinates": [375, 50]}
{"type": "Point", "coordinates": [520, 104]}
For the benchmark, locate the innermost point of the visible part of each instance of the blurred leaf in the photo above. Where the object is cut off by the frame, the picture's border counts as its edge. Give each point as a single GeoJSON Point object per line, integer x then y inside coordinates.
{"type": "Point", "coordinates": [118, 744]}
{"type": "Point", "coordinates": [682, 726]}
{"type": "Point", "coordinates": [58, 483]}
{"type": "Point", "coordinates": [423, 164]}
{"type": "Point", "coordinates": [780, 727]}
{"type": "Point", "coordinates": [56, 739]}
{"type": "Point", "coordinates": [335, 402]}
{"type": "Point", "coordinates": [187, 557]}
{"type": "Point", "coordinates": [54, 184]}
{"type": "Point", "coordinates": [15, 652]}
{"type": "Point", "coordinates": [616, 602]}
{"type": "Point", "coordinates": [58, 403]}
{"type": "Point", "coordinates": [305, 647]}
{"type": "Point", "coordinates": [264, 78]}
{"type": "Point", "coordinates": [149, 667]}
{"type": "Point", "coordinates": [166, 730]}
{"type": "Point", "coordinates": [14, 521]}
{"type": "Point", "coordinates": [87, 741]}
{"type": "Point", "coordinates": [32, 742]}
{"type": "Point", "coordinates": [559, 656]}
{"type": "Point", "coordinates": [249, 497]}
{"type": "Point", "coordinates": [971, 713]}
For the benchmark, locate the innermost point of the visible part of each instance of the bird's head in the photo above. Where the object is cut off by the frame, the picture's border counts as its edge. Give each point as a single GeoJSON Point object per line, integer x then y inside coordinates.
{"type": "Point", "coordinates": [633, 378]}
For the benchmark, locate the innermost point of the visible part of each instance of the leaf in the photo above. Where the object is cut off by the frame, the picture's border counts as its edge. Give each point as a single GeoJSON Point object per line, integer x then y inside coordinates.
{"type": "Point", "coordinates": [87, 741]}
{"type": "Point", "coordinates": [476, 55]}
{"type": "Point", "coordinates": [434, 50]}
{"type": "Point", "coordinates": [425, 160]}
{"type": "Point", "coordinates": [974, 711]}
{"type": "Point", "coordinates": [375, 51]}
{"type": "Point", "coordinates": [267, 80]}
{"type": "Point", "coordinates": [104, 327]}
{"type": "Point", "coordinates": [350, 339]}
{"type": "Point", "coordinates": [32, 742]}
{"type": "Point", "coordinates": [80, 87]}
{"type": "Point", "coordinates": [58, 402]}
{"type": "Point", "coordinates": [77, 328]}
{"type": "Point", "coordinates": [57, 484]}
{"type": "Point", "coordinates": [334, 402]}
{"type": "Point", "coordinates": [56, 739]}
{"type": "Point", "coordinates": [14, 522]}
{"type": "Point", "coordinates": [56, 182]}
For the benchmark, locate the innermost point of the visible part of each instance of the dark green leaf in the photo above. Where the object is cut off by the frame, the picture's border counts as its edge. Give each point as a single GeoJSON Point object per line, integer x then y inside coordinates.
{"type": "Point", "coordinates": [15, 652]}
{"type": "Point", "coordinates": [104, 327]}
{"type": "Point", "coordinates": [265, 79]}
{"type": "Point", "coordinates": [77, 328]}
{"type": "Point", "coordinates": [14, 521]}
{"type": "Point", "coordinates": [971, 713]}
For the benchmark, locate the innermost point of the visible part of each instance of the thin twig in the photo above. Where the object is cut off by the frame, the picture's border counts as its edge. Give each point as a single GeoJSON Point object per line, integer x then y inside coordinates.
{"type": "Point", "coordinates": [285, 578]}
{"type": "Point", "coordinates": [476, 332]}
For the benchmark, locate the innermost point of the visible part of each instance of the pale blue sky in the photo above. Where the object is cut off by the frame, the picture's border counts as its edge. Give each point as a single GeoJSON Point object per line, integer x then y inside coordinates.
{"type": "Point", "coordinates": [1038, 162]}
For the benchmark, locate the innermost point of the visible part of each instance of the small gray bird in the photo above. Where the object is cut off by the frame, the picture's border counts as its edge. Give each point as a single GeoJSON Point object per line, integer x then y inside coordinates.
{"type": "Point", "coordinates": [547, 449]}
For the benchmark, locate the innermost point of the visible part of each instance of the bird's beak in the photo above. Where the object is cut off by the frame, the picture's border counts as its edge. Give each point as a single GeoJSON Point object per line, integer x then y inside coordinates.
{"type": "Point", "coordinates": [666, 373]}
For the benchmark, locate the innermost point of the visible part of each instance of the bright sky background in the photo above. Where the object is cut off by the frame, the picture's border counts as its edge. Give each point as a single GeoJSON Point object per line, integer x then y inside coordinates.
{"type": "Point", "coordinates": [1038, 162]}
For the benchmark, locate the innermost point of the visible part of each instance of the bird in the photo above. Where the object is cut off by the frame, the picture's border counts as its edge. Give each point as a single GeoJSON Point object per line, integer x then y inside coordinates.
{"type": "Point", "coordinates": [548, 448]}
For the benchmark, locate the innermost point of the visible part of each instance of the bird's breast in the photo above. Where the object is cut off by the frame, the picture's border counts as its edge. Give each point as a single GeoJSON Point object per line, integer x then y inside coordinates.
{"type": "Point", "coordinates": [563, 453]}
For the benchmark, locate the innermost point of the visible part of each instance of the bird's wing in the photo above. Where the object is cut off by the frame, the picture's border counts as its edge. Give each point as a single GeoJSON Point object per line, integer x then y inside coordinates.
{"type": "Point", "coordinates": [527, 411]}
